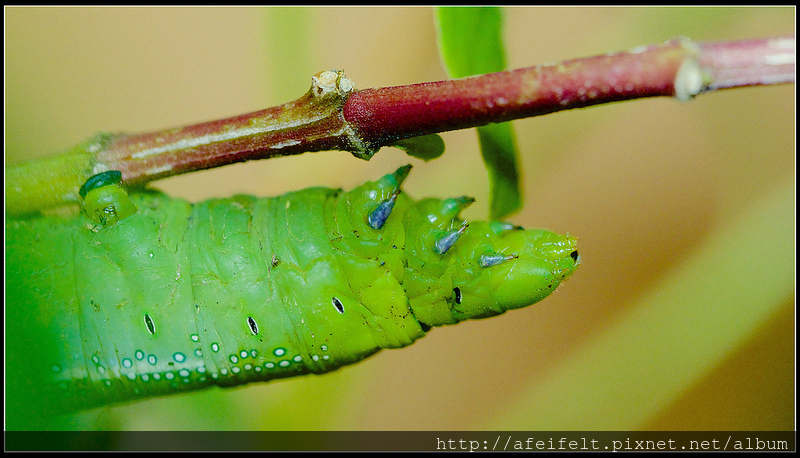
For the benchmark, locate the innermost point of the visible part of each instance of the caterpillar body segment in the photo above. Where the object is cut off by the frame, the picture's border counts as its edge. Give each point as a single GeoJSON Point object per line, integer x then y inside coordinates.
{"type": "Point", "coordinates": [176, 296]}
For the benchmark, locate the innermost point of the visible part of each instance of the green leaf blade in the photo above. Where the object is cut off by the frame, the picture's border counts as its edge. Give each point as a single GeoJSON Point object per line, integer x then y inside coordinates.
{"type": "Point", "coordinates": [470, 40]}
{"type": "Point", "coordinates": [425, 147]}
{"type": "Point", "coordinates": [499, 151]}
{"type": "Point", "coordinates": [471, 43]}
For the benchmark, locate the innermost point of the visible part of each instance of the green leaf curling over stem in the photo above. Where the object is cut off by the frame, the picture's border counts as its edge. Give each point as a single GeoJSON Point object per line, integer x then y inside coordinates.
{"type": "Point", "coordinates": [471, 43]}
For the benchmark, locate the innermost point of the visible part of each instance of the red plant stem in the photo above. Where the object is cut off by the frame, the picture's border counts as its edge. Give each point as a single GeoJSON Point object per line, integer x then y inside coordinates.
{"type": "Point", "coordinates": [334, 116]}
{"type": "Point", "coordinates": [748, 63]}
{"type": "Point", "coordinates": [310, 123]}
{"type": "Point", "coordinates": [363, 121]}
{"type": "Point", "coordinates": [384, 114]}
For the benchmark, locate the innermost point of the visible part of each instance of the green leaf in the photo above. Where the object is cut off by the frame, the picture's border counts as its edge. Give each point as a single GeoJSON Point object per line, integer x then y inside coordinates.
{"type": "Point", "coordinates": [500, 156]}
{"type": "Point", "coordinates": [471, 43]}
{"type": "Point", "coordinates": [425, 147]}
{"type": "Point", "coordinates": [470, 40]}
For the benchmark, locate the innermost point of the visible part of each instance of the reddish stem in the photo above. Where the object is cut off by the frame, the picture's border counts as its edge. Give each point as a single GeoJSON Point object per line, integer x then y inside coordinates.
{"type": "Point", "coordinates": [363, 121]}
{"type": "Point", "coordinates": [383, 115]}
{"type": "Point", "coordinates": [748, 63]}
{"type": "Point", "coordinates": [310, 123]}
{"type": "Point", "coordinates": [334, 116]}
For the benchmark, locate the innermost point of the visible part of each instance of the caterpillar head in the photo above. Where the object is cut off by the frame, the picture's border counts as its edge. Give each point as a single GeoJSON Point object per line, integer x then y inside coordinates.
{"type": "Point", "coordinates": [483, 268]}
{"type": "Point", "coordinates": [452, 270]}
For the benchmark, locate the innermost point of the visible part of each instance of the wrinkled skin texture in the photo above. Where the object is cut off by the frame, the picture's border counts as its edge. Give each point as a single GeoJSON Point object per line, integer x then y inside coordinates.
{"type": "Point", "coordinates": [178, 297]}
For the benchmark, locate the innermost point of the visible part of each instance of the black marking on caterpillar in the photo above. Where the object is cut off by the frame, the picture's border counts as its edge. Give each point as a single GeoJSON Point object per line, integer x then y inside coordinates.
{"type": "Point", "coordinates": [396, 266]}
{"type": "Point", "coordinates": [338, 304]}
{"type": "Point", "coordinates": [457, 295]}
{"type": "Point", "coordinates": [149, 325]}
{"type": "Point", "coordinates": [251, 323]}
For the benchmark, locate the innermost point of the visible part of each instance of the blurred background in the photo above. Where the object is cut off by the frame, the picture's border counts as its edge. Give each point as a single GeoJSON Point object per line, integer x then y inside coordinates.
{"type": "Point", "coordinates": [648, 186]}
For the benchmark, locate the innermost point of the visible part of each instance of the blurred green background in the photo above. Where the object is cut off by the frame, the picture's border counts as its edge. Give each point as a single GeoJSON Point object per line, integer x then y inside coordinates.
{"type": "Point", "coordinates": [670, 324]}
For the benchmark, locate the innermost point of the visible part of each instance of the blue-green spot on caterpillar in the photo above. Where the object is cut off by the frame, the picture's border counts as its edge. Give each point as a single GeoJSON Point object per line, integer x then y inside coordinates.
{"type": "Point", "coordinates": [99, 180]}
{"type": "Point", "coordinates": [174, 296]}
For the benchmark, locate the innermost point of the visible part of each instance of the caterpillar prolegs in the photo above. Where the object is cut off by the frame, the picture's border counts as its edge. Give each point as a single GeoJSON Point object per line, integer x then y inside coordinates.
{"type": "Point", "coordinates": [155, 295]}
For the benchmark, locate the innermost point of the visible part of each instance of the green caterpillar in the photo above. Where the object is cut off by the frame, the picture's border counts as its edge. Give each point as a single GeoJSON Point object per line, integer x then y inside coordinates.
{"type": "Point", "coordinates": [143, 295]}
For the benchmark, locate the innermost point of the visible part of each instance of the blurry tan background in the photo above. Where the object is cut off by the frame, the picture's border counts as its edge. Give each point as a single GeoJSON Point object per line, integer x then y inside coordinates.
{"type": "Point", "coordinates": [642, 184]}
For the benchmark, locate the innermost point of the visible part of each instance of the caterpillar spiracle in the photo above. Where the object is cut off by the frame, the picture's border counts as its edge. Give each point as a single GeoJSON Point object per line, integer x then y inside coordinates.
{"type": "Point", "coordinates": [144, 295]}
